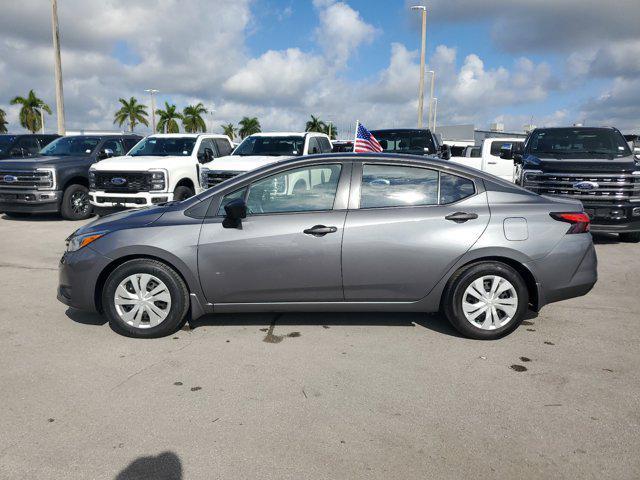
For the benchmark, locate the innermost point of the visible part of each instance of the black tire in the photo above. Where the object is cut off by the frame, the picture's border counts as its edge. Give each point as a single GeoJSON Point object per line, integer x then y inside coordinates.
{"type": "Point", "coordinates": [17, 214]}
{"type": "Point", "coordinates": [75, 203]}
{"type": "Point", "coordinates": [455, 291]}
{"type": "Point", "coordinates": [630, 237]}
{"type": "Point", "coordinates": [177, 313]}
{"type": "Point", "coordinates": [182, 193]}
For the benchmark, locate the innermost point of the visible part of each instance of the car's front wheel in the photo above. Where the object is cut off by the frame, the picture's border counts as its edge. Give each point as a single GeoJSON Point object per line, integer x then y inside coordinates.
{"type": "Point", "coordinates": [486, 300]}
{"type": "Point", "coordinates": [145, 298]}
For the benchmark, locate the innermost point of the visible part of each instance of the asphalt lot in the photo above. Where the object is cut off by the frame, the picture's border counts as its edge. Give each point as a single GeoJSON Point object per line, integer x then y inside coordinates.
{"type": "Point", "coordinates": [301, 396]}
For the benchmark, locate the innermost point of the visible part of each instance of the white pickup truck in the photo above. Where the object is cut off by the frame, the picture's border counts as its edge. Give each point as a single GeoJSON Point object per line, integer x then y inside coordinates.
{"type": "Point", "coordinates": [262, 149]}
{"type": "Point", "coordinates": [487, 157]}
{"type": "Point", "coordinates": [158, 169]}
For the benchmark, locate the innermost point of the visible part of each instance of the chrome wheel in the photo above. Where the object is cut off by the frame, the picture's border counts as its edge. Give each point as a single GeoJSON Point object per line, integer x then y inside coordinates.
{"type": "Point", "coordinates": [490, 302]}
{"type": "Point", "coordinates": [80, 203]}
{"type": "Point", "coordinates": [142, 300]}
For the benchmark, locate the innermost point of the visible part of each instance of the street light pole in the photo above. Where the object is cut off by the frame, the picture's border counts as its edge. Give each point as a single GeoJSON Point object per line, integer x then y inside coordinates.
{"type": "Point", "coordinates": [58, 67]}
{"type": "Point", "coordinates": [435, 112]}
{"type": "Point", "coordinates": [41, 121]}
{"type": "Point", "coordinates": [433, 81]}
{"type": "Point", "coordinates": [152, 92]}
{"type": "Point", "coordinates": [211, 111]}
{"type": "Point", "coordinates": [423, 9]}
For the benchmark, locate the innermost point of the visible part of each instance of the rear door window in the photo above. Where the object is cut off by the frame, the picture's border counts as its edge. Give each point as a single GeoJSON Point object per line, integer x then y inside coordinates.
{"type": "Point", "coordinates": [398, 186]}
{"type": "Point", "coordinates": [224, 147]}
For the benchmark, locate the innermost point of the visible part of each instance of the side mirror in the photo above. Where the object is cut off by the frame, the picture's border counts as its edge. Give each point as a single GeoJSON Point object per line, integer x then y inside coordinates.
{"type": "Point", "coordinates": [506, 151]}
{"type": "Point", "coordinates": [235, 211]}
{"type": "Point", "coordinates": [206, 156]}
{"type": "Point", "coordinates": [105, 153]}
{"type": "Point", "coordinates": [445, 152]}
{"type": "Point", "coordinates": [517, 158]}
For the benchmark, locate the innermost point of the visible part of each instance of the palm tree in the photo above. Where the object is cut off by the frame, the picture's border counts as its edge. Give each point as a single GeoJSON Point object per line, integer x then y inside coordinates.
{"type": "Point", "coordinates": [132, 112]}
{"type": "Point", "coordinates": [192, 118]}
{"type": "Point", "coordinates": [229, 130]}
{"type": "Point", "coordinates": [331, 130]}
{"type": "Point", "coordinates": [3, 121]}
{"type": "Point", "coordinates": [167, 122]}
{"type": "Point", "coordinates": [31, 111]}
{"type": "Point", "coordinates": [249, 126]}
{"type": "Point", "coordinates": [315, 125]}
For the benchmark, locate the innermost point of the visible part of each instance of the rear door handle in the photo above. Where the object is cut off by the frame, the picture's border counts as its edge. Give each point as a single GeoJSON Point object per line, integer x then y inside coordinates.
{"type": "Point", "coordinates": [461, 217]}
{"type": "Point", "coordinates": [320, 230]}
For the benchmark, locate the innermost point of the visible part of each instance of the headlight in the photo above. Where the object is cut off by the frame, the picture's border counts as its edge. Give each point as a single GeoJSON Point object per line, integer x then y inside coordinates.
{"type": "Point", "coordinates": [158, 180]}
{"type": "Point", "coordinates": [204, 177]}
{"type": "Point", "coordinates": [48, 178]}
{"type": "Point", "coordinates": [76, 242]}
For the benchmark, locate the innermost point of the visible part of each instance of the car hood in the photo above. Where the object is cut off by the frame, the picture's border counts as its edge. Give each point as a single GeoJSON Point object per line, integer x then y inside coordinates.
{"type": "Point", "coordinates": [127, 219]}
{"type": "Point", "coordinates": [134, 164]}
{"type": "Point", "coordinates": [40, 162]}
{"type": "Point", "coordinates": [581, 165]}
{"type": "Point", "coordinates": [237, 163]}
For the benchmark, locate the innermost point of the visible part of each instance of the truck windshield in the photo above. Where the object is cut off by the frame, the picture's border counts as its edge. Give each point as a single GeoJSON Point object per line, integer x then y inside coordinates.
{"type": "Point", "coordinates": [67, 146]}
{"type": "Point", "coordinates": [578, 141]}
{"type": "Point", "coordinates": [407, 142]}
{"type": "Point", "coordinates": [273, 146]}
{"type": "Point", "coordinates": [5, 142]}
{"type": "Point", "coordinates": [164, 146]}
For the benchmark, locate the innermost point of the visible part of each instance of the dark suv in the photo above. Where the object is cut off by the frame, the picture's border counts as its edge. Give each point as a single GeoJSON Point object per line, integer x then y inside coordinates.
{"type": "Point", "coordinates": [412, 141]}
{"type": "Point", "coordinates": [57, 180]}
{"type": "Point", "coordinates": [24, 145]}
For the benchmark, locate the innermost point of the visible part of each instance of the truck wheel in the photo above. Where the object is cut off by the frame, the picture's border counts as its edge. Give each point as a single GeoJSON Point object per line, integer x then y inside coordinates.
{"type": "Point", "coordinates": [630, 237]}
{"type": "Point", "coordinates": [182, 193]}
{"type": "Point", "coordinates": [145, 298]}
{"type": "Point", "coordinates": [75, 203]}
{"type": "Point", "coordinates": [486, 301]}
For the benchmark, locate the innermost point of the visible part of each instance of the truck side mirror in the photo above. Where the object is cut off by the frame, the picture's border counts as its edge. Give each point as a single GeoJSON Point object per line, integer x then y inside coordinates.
{"type": "Point", "coordinates": [445, 152]}
{"type": "Point", "coordinates": [517, 158]}
{"type": "Point", "coordinates": [105, 153]}
{"type": "Point", "coordinates": [206, 156]}
{"type": "Point", "coordinates": [506, 151]}
{"type": "Point", "coordinates": [234, 211]}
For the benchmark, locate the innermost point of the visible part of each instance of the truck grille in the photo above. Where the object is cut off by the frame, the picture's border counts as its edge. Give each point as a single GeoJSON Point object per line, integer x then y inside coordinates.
{"type": "Point", "coordinates": [213, 177]}
{"type": "Point", "coordinates": [605, 188]}
{"type": "Point", "coordinates": [25, 179]}
{"type": "Point", "coordinates": [133, 182]}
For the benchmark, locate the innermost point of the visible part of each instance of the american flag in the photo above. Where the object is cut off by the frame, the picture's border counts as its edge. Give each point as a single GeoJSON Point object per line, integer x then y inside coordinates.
{"type": "Point", "coordinates": [365, 142]}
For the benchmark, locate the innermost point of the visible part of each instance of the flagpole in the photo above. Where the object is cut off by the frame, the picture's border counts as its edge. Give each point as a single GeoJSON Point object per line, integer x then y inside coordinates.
{"type": "Point", "coordinates": [355, 135]}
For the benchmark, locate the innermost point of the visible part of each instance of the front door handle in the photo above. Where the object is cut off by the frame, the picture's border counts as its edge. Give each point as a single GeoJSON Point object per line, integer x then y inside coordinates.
{"type": "Point", "coordinates": [461, 217]}
{"type": "Point", "coordinates": [320, 230]}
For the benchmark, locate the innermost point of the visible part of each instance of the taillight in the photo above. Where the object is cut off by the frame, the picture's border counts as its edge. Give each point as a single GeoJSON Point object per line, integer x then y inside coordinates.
{"type": "Point", "coordinates": [579, 221]}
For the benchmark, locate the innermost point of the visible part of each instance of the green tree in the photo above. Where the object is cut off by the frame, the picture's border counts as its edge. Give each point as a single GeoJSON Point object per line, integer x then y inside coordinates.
{"type": "Point", "coordinates": [249, 126]}
{"type": "Point", "coordinates": [30, 113]}
{"type": "Point", "coordinates": [167, 123]}
{"type": "Point", "coordinates": [315, 125]}
{"type": "Point", "coordinates": [192, 118]}
{"type": "Point", "coordinates": [132, 112]}
{"type": "Point", "coordinates": [229, 130]}
{"type": "Point", "coordinates": [331, 130]}
{"type": "Point", "coordinates": [3, 121]}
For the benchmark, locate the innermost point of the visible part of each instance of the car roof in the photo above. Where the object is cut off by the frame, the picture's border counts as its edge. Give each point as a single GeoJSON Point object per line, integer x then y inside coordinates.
{"type": "Point", "coordinates": [187, 135]}
{"type": "Point", "coordinates": [401, 130]}
{"type": "Point", "coordinates": [286, 134]}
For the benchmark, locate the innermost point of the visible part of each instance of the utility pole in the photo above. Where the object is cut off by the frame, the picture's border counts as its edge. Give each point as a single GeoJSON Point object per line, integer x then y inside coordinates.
{"type": "Point", "coordinates": [41, 121]}
{"type": "Point", "coordinates": [435, 112]}
{"type": "Point", "coordinates": [212, 109]}
{"type": "Point", "coordinates": [152, 92]}
{"type": "Point", "coordinates": [58, 67]}
{"type": "Point", "coordinates": [433, 81]}
{"type": "Point", "coordinates": [423, 10]}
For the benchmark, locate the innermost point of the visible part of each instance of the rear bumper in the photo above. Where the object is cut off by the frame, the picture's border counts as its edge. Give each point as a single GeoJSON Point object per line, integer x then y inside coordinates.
{"type": "Point", "coordinates": [30, 201]}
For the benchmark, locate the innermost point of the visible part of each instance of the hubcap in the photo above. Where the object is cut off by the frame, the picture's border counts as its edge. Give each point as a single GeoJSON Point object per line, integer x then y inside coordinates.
{"type": "Point", "coordinates": [142, 300]}
{"type": "Point", "coordinates": [490, 302]}
{"type": "Point", "coordinates": [79, 203]}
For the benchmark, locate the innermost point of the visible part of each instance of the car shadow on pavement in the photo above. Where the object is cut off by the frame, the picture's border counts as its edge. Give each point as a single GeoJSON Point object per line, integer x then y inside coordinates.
{"type": "Point", "coordinates": [605, 238]}
{"type": "Point", "coordinates": [165, 466]}
{"type": "Point", "coordinates": [435, 322]}
{"type": "Point", "coordinates": [42, 217]}
{"type": "Point", "coordinates": [85, 318]}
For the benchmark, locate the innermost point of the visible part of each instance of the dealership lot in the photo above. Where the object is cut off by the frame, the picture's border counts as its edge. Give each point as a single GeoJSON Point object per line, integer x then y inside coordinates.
{"type": "Point", "coordinates": [315, 395]}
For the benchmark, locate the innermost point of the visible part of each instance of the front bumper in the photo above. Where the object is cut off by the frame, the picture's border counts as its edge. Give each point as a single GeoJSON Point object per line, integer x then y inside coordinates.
{"type": "Point", "coordinates": [618, 218]}
{"type": "Point", "coordinates": [105, 200]}
{"type": "Point", "coordinates": [30, 201]}
{"type": "Point", "coordinates": [78, 274]}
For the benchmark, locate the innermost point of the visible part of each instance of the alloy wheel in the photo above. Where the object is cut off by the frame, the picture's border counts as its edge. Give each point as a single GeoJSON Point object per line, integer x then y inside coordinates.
{"type": "Point", "coordinates": [490, 302]}
{"type": "Point", "coordinates": [142, 300]}
{"type": "Point", "coordinates": [80, 203]}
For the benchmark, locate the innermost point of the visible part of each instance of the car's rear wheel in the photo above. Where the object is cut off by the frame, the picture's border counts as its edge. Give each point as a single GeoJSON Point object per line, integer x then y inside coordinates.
{"type": "Point", "coordinates": [630, 237]}
{"type": "Point", "coordinates": [145, 298]}
{"type": "Point", "coordinates": [182, 193]}
{"type": "Point", "coordinates": [75, 203]}
{"type": "Point", "coordinates": [486, 300]}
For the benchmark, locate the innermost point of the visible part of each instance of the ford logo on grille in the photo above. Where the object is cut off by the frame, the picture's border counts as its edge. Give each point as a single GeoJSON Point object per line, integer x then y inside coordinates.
{"type": "Point", "coordinates": [9, 179]}
{"type": "Point", "coordinates": [586, 186]}
{"type": "Point", "coordinates": [118, 181]}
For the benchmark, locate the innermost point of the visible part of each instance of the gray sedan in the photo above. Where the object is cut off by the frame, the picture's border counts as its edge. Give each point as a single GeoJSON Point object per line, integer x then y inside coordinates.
{"type": "Point", "coordinates": [339, 232]}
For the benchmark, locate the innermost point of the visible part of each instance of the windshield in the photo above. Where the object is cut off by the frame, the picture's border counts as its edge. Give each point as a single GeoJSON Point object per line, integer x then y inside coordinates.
{"type": "Point", "coordinates": [164, 146]}
{"type": "Point", "coordinates": [405, 141]}
{"type": "Point", "coordinates": [275, 146]}
{"type": "Point", "coordinates": [66, 146]}
{"type": "Point", "coordinates": [579, 141]}
{"type": "Point", "coordinates": [5, 142]}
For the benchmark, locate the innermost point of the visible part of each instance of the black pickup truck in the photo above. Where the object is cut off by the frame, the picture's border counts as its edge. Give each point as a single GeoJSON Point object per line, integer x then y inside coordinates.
{"type": "Point", "coordinates": [57, 179]}
{"type": "Point", "coordinates": [24, 145]}
{"type": "Point", "coordinates": [593, 165]}
{"type": "Point", "coordinates": [411, 141]}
